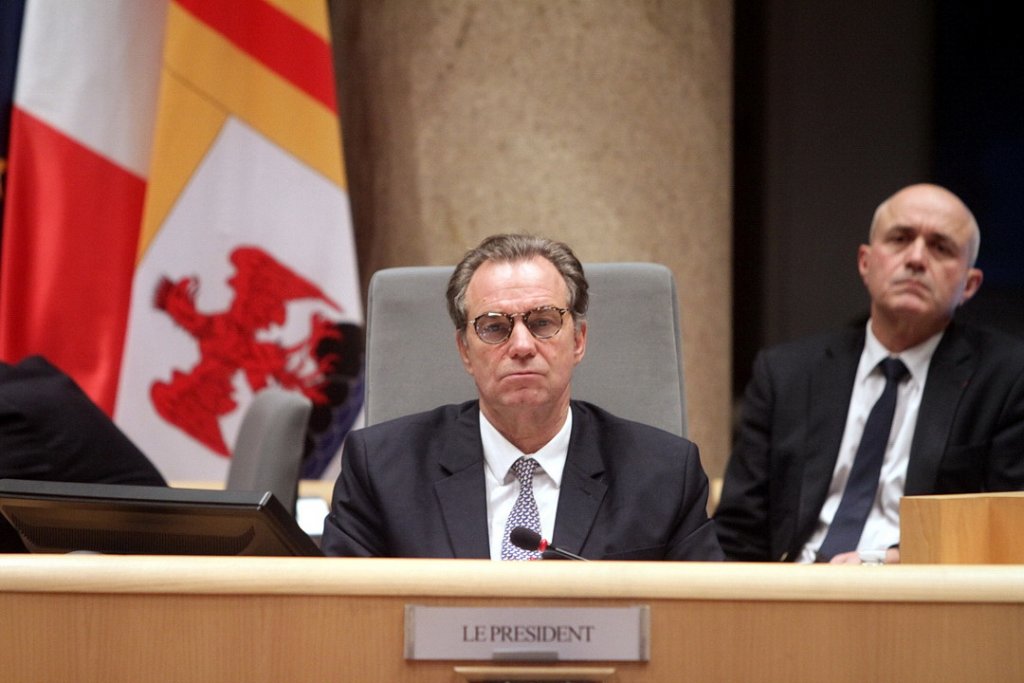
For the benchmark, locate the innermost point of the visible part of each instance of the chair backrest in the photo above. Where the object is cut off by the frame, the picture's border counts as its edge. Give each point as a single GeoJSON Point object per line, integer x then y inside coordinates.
{"type": "Point", "coordinates": [268, 450]}
{"type": "Point", "coordinates": [633, 367]}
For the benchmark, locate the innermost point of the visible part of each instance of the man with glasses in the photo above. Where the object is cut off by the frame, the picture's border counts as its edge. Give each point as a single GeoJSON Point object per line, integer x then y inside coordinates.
{"type": "Point", "coordinates": [456, 481]}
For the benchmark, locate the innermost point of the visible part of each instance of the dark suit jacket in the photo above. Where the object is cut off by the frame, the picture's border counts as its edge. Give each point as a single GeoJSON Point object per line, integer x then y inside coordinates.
{"type": "Point", "coordinates": [50, 430]}
{"type": "Point", "coordinates": [969, 435]}
{"type": "Point", "coordinates": [414, 487]}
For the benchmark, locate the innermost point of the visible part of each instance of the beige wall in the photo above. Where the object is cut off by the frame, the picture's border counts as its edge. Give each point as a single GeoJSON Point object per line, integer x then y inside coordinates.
{"type": "Point", "coordinates": [604, 123]}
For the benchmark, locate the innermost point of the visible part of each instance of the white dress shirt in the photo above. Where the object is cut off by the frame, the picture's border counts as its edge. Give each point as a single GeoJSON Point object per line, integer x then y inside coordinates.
{"type": "Point", "coordinates": [502, 487]}
{"type": "Point", "coordinates": [882, 528]}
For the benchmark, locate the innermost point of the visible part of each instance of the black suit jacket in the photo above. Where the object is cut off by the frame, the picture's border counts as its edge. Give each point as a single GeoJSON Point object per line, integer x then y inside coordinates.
{"type": "Point", "coordinates": [414, 487]}
{"type": "Point", "coordinates": [50, 430]}
{"type": "Point", "coordinates": [969, 435]}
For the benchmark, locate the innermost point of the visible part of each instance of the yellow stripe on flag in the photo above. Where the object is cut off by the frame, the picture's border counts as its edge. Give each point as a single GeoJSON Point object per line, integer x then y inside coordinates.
{"type": "Point", "coordinates": [311, 14]}
{"type": "Point", "coordinates": [180, 146]}
{"type": "Point", "coordinates": [245, 88]}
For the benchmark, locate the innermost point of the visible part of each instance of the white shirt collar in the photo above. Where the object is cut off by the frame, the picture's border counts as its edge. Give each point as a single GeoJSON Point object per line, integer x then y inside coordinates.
{"type": "Point", "coordinates": [916, 358]}
{"type": "Point", "coordinates": [499, 453]}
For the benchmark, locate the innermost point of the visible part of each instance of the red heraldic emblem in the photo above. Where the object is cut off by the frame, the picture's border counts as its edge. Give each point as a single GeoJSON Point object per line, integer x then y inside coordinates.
{"type": "Point", "coordinates": [234, 341]}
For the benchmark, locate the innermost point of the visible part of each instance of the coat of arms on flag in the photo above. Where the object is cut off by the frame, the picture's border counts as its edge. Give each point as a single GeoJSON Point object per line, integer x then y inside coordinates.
{"type": "Point", "coordinates": [194, 244]}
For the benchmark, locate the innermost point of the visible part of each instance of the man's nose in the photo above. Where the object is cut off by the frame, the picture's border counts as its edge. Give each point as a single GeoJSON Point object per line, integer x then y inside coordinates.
{"type": "Point", "coordinates": [521, 342]}
{"type": "Point", "coordinates": [917, 253]}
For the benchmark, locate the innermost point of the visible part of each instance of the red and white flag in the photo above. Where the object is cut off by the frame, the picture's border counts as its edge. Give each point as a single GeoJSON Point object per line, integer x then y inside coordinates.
{"type": "Point", "coordinates": [182, 162]}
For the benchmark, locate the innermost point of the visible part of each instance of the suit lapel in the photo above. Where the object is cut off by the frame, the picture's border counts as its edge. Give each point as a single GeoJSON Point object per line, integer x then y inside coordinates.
{"type": "Point", "coordinates": [829, 388]}
{"type": "Point", "coordinates": [582, 489]}
{"type": "Point", "coordinates": [948, 375]}
{"type": "Point", "coordinates": [461, 494]}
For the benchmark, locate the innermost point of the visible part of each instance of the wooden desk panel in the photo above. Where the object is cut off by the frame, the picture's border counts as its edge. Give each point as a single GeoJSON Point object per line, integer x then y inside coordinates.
{"type": "Point", "coordinates": [89, 618]}
{"type": "Point", "coordinates": [977, 528]}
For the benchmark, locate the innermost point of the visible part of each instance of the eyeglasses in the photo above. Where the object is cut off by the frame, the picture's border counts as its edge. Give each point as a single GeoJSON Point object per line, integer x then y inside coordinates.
{"type": "Point", "coordinates": [543, 323]}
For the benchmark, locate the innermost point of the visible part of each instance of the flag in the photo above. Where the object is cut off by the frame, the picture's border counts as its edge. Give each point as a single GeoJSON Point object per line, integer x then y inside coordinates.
{"type": "Point", "coordinates": [232, 268]}
{"type": "Point", "coordinates": [81, 129]}
{"type": "Point", "coordinates": [11, 13]}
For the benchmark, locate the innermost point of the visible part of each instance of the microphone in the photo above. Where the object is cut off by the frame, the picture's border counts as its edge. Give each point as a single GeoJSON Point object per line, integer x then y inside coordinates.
{"type": "Point", "coordinates": [528, 539]}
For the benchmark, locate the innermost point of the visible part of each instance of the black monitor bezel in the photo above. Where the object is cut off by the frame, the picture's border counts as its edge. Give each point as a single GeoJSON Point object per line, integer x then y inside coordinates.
{"type": "Point", "coordinates": [150, 520]}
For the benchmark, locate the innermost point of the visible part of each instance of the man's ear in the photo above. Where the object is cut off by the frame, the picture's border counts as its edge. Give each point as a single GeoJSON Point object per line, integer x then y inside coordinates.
{"type": "Point", "coordinates": [463, 345]}
{"type": "Point", "coordinates": [580, 340]}
{"type": "Point", "coordinates": [972, 284]}
{"type": "Point", "coordinates": [862, 258]}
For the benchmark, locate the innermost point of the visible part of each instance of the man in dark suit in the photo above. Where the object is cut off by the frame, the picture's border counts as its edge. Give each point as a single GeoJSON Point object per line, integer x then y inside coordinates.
{"type": "Point", "coordinates": [453, 482]}
{"type": "Point", "coordinates": [958, 422]}
{"type": "Point", "coordinates": [51, 431]}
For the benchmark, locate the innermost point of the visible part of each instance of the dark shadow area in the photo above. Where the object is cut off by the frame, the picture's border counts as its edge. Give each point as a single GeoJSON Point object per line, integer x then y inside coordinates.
{"type": "Point", "coordinates": [960, 124]}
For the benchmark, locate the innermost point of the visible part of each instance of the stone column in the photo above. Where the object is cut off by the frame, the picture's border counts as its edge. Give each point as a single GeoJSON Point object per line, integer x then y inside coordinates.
{"type": "Point", "coordinates": [603, 123]}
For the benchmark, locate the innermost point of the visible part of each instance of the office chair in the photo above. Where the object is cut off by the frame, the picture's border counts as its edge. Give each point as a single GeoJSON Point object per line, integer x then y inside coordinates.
{"type": "Point", "coordinates": [632, 368]}
{"type": "Point", "coordinates": [268, 450]}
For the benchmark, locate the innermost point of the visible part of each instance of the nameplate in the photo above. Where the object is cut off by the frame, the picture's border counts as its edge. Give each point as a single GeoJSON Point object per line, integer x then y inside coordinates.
{"type": "Point", "coordinates": [620, 634]}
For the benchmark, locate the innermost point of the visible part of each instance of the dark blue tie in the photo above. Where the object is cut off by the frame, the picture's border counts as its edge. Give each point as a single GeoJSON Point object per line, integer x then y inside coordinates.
{"type": "Point", "coordinates": [859, 495]}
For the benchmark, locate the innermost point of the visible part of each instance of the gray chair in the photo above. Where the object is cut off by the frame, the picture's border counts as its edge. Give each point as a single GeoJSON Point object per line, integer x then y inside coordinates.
{"type": "Point", "coordinates": [268, 450]}
{"type": "Point", "coordinates": [633, 366]}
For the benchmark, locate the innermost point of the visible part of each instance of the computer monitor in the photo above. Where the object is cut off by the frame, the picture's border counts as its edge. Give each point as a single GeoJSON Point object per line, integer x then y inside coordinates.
{"type": "Point", "coordinates": [61, 517]}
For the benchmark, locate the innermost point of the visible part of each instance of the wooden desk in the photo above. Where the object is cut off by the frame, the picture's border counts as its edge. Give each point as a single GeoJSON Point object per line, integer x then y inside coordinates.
{"type": "Point", "coordinates": [108, 618]}
{"type": "Point", "coordinates": [308, 488]}
{"type": "Point", "coordinates": [976, 528]}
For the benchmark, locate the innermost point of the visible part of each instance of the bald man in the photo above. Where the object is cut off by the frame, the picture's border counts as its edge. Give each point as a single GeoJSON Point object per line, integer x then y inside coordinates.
{"type": "Point", "coordinates": [957, 425]}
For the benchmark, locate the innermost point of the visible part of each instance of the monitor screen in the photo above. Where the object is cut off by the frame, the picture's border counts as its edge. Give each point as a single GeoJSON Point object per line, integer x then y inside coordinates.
{"type": "Point", "coordinates": [61, 517]}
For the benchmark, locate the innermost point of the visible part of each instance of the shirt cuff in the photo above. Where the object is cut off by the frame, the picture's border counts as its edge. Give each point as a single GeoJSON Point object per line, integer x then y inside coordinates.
{"type": "Point", "coordinates": [871, 556]}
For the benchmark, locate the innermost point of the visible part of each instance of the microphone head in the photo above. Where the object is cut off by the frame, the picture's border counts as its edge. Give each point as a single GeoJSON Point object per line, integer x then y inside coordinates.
{"type": "Point", "coordinates": [552, 555]}
{"type": "Point", "coordinates": [524, 538]}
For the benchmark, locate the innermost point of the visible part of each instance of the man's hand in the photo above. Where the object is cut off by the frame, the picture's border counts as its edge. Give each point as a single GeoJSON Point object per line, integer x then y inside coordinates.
{"type": "Point", "coordinates": [852, 557]}
{"type": "Point", "coordinates": [892, 556]}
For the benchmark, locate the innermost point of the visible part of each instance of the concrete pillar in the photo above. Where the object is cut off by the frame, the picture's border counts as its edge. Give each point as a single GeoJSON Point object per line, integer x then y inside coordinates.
{"type": "Point", "coordinates": [603, 123]}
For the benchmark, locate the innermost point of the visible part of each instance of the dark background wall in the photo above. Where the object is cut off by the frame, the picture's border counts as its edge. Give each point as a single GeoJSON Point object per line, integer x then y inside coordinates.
{"type": "Point", "coordinates": [837, 105]}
